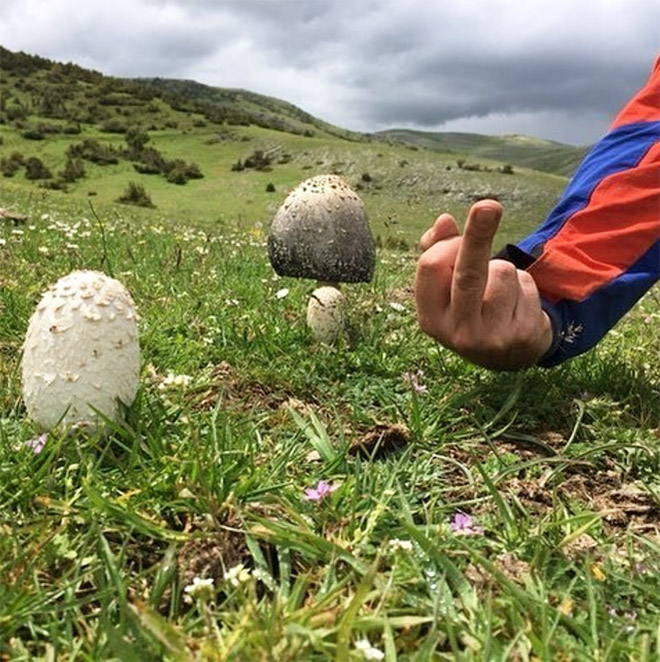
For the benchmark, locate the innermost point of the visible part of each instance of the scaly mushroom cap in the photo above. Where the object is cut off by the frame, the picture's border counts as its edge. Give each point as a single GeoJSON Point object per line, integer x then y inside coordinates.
{"type": "Point", "coordinates": [81, 352]}
{"type": "Point", "coordinates": [321, 232]}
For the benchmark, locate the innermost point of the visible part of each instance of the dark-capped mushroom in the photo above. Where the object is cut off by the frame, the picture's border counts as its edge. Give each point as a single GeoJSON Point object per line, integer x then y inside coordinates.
{"type": "Point", "coordinates": [321, 232]}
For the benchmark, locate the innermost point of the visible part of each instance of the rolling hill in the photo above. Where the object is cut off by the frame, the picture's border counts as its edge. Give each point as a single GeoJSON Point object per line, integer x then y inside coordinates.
{"type": "Point", "coordinates": [518, 150]}
{"type": "Point", "coordinates": [217, 156]}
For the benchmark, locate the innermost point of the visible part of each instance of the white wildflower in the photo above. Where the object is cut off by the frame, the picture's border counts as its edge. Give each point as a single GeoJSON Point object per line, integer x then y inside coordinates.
{"type": "Point", "coordinates": [368, 651]}
{"type": "Point", "coordinates": [237, 575]}
{"type": "Point", "coordinates": [398, 545]}
{"type": "Point", "coordinates": [397, 306]}
{"type": "Point", "coordinates": [200, 588]}
{"type": "Point", "coordinates": [174, 380]}
{"type": "Point", "coordinates": [280, 294]}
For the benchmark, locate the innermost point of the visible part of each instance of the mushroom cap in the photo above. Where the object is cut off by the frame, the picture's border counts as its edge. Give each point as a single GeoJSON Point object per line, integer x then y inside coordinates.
{"type": "Point", "coordinates": [81, 358]}
{"type": "Point", "coordinates": [321, 232]}
{"type": "Point", "coordinates": [325, 316]}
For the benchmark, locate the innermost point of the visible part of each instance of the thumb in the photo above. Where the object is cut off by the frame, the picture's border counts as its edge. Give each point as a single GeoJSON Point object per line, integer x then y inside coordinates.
{"type": "Point", "coordinates": [444, 227]}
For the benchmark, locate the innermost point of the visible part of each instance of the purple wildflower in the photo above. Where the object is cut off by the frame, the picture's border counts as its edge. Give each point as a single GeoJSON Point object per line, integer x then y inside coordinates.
{"type": "Point", "coordinates": [462, 524]}
{"type": "Point", "coordinates": [414, 379]}
{"type": "Point", "coordinates": [319, 492]}
{"type": "Point", "coordinates": [37, 444]}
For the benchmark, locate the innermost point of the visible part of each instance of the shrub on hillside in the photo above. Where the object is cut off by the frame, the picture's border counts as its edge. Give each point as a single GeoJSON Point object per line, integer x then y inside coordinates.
{"type": "Point", "coordinates": [74, 169]}
{"type": "Point", "coordinates": [114, 125]}
{"type": "Point", "coordinates": [135, 194]}
{"type": "Point", "coordinates": [35, 169]}
{"type": "Point", "coordinates": [136, 141]}
{"type": "Point", "coordinates": [72, 129]}
{"type": "Point", "coordinates": [193, 171]}
{"type": "Point", "coordinates": [177, 174]}
{"type": "Point", "coordinates": [10, 164]}
{"type": "Point", "coordinates": [92, 150]}
{"type": "Point", "coordinates": [258, 160]}
{"type": "Point", "coordinates": [33, 134]}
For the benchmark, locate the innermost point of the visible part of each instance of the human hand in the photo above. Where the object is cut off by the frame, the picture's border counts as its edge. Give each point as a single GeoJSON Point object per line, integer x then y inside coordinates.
{"type": "Point", "coordinates": [486, 310]}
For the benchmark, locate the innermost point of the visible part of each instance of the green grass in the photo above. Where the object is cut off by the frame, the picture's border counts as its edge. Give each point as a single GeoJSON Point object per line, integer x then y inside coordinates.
{"type": "Point", "coordinates": [408, 188]}
{"type": "Point", "coordinates": [101, 534]}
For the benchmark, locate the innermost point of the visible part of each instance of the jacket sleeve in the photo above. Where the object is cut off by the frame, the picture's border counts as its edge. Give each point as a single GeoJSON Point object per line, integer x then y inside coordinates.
{"type": "Point", "coordinates": [598, 251]}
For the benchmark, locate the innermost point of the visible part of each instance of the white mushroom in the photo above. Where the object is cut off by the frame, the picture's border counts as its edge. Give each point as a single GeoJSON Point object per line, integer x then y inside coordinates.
{"type": "Point", "coordinates": [325, 315]}
{"type": "Point", "coordinates": [81, 357]}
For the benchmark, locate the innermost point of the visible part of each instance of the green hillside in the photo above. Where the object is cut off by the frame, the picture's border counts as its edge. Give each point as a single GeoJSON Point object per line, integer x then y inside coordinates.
{"type": "Point", "coordinates": [226, 157]}
{"type": "Point", "coordinates": [517, 150]}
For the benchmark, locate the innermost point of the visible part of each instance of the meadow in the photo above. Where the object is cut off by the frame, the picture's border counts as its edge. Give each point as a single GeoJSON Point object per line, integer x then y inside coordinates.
{"type": "Point", "coordinates": [465, 515]}
{"type": "Point", "coordinates": [272, 498]}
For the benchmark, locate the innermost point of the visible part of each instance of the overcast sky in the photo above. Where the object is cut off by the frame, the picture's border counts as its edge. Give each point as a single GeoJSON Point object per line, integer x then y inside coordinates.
{"type": "Point", "coordinates": [557, 69]}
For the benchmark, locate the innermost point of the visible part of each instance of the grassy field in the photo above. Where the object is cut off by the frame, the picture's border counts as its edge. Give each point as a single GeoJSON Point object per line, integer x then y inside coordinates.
{"type": "Point", "coordinates": [464, 515]}
{"type": "Point", "coordinates": [406, 190]}
{"type": "Point", "coordinates": [270, 498]}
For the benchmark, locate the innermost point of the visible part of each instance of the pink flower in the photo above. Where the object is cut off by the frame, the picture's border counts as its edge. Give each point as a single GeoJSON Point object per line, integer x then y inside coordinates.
{"type": "Point", "coordinates": [321, 491]}
{"type": "Point", "coordinates": [463, 525]}
{"type": "Point", "coordinates": [37, 444]}
{"type": "Point", "coordinates": [414, 379]}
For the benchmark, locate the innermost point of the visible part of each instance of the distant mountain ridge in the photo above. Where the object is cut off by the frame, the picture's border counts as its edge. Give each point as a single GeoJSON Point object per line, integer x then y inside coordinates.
{"type": "Point", "coordinates": [519, 150]}
{"type": "Point", "coordinates": [258, 109]}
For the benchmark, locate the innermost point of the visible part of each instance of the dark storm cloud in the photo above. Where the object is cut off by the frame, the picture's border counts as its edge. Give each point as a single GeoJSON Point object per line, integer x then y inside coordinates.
{"type": "Point", "coordinates": [452, 88]}
{"type": "Point", "coordinates": [372, 64]}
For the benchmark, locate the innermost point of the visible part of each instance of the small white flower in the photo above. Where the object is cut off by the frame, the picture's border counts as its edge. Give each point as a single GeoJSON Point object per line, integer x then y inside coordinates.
{"type": "Point", "coordinates": [397, 306]}
{"type": "Point", "coordinates": [174, 380]}
{"type": "Point", "coordinates": [398, 545]}
{"type": "Point", "coordinates": [368, 651]}
{"type": "Point", "coordinates": [200, 588]}
{"type": "Point", "coordinates": [280, 294]}
{"type": "Point", "coordinates": [3, 242]}
{"type": "Point", "coordinates": [237, 575]}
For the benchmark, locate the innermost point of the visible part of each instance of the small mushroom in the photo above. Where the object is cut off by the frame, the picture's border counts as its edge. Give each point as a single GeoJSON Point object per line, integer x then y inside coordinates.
{"type": "Point", "coordinates": [81, 357]}
{"type": "Point", "coordinates": [321, 232]}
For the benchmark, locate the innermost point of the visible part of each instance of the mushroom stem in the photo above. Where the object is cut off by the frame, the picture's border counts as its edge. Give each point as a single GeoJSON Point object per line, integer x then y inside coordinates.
{"type": "Point", "coordinates": [325, 315]}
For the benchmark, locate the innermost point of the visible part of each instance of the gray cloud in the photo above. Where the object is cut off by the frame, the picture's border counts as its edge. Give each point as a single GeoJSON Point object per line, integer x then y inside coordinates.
{"type": "Point", "coordinates": [548, 69]}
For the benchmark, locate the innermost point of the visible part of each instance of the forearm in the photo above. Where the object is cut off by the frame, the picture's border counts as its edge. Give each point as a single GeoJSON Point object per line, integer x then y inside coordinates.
{"type": "Point", "coordinates": [599, 249]}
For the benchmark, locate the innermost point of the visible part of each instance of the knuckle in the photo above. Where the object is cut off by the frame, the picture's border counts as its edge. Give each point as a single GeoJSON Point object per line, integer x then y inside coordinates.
{"type": "Point", "coordinates": [468, 279]}
{"type": "Point", "coordinates": [503, 270]}
{"type": "Point", "coordinates": [428, 263]}
{"type": "Point", "coordinates": [465, 341]}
